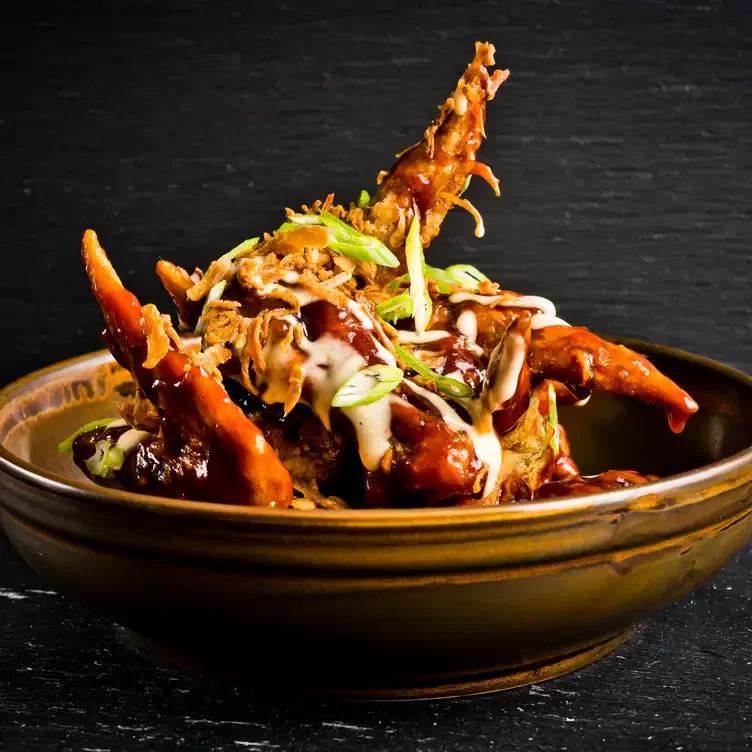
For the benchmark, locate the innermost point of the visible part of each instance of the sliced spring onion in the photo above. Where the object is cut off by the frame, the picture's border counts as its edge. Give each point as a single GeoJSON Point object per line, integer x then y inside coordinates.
{"type": "Point", "coordinates": [67, 445]}
{"type": "Point", "coordinates": [462, 275]}
{"type": "Point", "coordinates": [399, 281]}
{"type": "Point", "coordinates": [246, 245]}
{"type": "Point", "coordinates": [303, 219]}
{"type": "Point", "coordinates": [396, 308]}
{"type": "Point", "coordinates": [368, 386]}
{"type": "Point", "coordinates": [359, 252]}
{"type": "Point", "coordinates": [364, 199]}
{"type": "Point", "coordinates": [130, 440]}
{"type": "Point", "coordinates": [445, 282]}
{"type": "Point", "coordinates": [347, 240]}
{"type": "Point", "coordinates": [553, 417]}
{"type": "Point", "coordinates": [429, 272]}
{"type": "Point", "coordinates": [422, 307]}
{"type": "Point", "coordinates": [465, 186]}
{"type": "Point", "coordinates": [105, 460]}
{"type": "Point", "coordinates": [450, 387]}
{"type": "Point", "coordinates": [214, 294]}
{"type": "Point", "coordinates": [466, 275]}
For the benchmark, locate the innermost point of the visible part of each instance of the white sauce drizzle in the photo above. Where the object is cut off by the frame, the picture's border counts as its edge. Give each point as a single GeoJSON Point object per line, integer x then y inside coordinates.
{"type": "Point", "coordinates": [456, 375]}
{"type": "Point", "coordinates": [361, 314]}
{"type": "Point", "coordinates": [421, 339]}
{"type": "Point", "coordinates": [480, 228]}
{"type": "Point", "coordinates": [542, 320]}
{"type": "Point", "coordinates": [329, 363]}
{"type": "Point", "coordinates": [303, 296]}
{"type": "Point", "coordinates": [484, 438]}
{"type": "Point", "coordinates": [524, 301]}
{"type": "Point", "coordinates": [508, 369]}
{"type": "Point", "coordinates": [467, 325]}
{"type": "Point", "coordinates": [291, 277]}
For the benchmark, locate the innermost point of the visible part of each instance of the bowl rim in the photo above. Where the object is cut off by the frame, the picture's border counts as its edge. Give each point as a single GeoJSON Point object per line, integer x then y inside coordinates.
{"type": "Point", "coordinates": [606, 501]}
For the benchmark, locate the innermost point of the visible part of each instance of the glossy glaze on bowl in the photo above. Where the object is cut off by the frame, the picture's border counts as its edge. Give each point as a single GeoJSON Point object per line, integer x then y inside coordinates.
{"type": "Point", "coordinates": [387, 604]}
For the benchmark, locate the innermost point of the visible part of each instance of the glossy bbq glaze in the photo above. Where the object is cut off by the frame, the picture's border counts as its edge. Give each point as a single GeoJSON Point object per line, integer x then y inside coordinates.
{"type": "Point", "coordinates": [289, 320]}
{"type": "Point", "coordinates": [194, 404]}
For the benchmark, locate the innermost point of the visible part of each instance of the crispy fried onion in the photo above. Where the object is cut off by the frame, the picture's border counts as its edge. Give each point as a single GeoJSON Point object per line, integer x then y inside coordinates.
{"type": "Point", "coordinates": [210, 359]}
{"type": "Point", "coordinates": [313, 498]}
{"type": "Point", "coordinates": [218, 271]}
{"type": "Point", "coordinates": [160, 333]}
{"type": "Point", "coordinates": [141, 414]}
{"type": "Point", "coordinates": [223, 322]}
{"type": "Point", "coordinates": [283, 271]}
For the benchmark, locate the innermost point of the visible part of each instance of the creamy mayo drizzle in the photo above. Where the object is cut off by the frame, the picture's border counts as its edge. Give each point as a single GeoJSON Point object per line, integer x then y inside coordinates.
{"type": "Point", "coordinates": [467, 325]}
{"type": "Point", "coordinates": [508, 370]}
{"type": "Point", "coordinates": [524, 301]}
{"type": "Point", "coordinates": [328, 363]}
{"type": "Point", "coordinates": [481, 432]}
{"type": "Point", "coordinates": [360, 313]}
{"type": "Point", "coordinates": [421, 339]}
{"type": "Point", "coordinates": [303, 296]}
{"type": "Point", "coordinates": [542, 320]}
{"type": "Point", "coordinates": [456, 375]}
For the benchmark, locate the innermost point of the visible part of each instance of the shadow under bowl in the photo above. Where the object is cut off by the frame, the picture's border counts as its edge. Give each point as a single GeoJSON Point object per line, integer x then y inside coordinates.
{"type": "Point", "coordinates": [387, 604]}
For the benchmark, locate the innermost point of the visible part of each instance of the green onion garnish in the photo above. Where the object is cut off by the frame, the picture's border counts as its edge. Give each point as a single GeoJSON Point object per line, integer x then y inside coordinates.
{"type": "Point", "coordinates": [368, 386]}
{"type": "Point", "coordinates": [301, 219]}
{"type": "Point", "coordinates": [553, 417]}
{"type": "Point", "coordinates": [246, 245]}
{"type": "Point", "coordinates": [364, 199]}
{"type": "Point", "coordinates": [105, 460]}
{"type": "Point", "coordinates": [462, 275]}
{"type": "Point", "coordinates": [394, 309]}
{"type": "Point", "coordinates": [422, 307]}
{"type": "Point", "coordinates": [67, 445]}
{"type": "Point", "coordinates": [465, 186]}
{"type": "Point", "coordinates": [347, 240]}
{"type": "Point", "coordinates": [450, 387]}
{"type": "Point", "coordinates": [466, 275]}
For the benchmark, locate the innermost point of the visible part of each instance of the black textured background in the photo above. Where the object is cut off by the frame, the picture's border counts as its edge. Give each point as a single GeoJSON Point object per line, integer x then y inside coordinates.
{"type": "Point", "coordinates": [622, 141]}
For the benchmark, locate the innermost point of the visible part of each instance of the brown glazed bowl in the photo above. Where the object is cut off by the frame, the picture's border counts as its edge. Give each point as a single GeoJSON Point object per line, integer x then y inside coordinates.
{"type": "Point", "coordinates": [388, 604]}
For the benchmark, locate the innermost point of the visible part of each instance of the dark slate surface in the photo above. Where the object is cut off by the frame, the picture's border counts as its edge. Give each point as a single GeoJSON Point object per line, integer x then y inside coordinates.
{"type": "Point", "coordinates": [622, 141]}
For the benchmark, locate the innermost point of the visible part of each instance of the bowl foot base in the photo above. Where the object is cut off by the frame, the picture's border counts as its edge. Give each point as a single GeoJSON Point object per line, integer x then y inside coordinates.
{"type": "Point", "coordinates": [415, 690]}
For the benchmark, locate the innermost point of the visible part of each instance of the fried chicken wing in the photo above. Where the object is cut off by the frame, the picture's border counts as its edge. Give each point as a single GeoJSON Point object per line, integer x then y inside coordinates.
{"type": "Point", "coordinates": [185, 395]}
{"type": "Point", "coordinates": [576, 356]}
{"type": "Point", "coordinates": [432, 174]}
{"type": "Point", "coordinates": [177, 282]}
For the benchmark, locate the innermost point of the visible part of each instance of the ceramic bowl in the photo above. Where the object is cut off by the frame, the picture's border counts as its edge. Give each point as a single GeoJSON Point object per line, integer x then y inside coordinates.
{"type": "Point", "coordinates": [387, 604]}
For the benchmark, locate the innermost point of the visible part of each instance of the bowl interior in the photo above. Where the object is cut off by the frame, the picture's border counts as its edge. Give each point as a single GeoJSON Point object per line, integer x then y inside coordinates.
{"type": "Point", "coordinates": [610, 432]}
